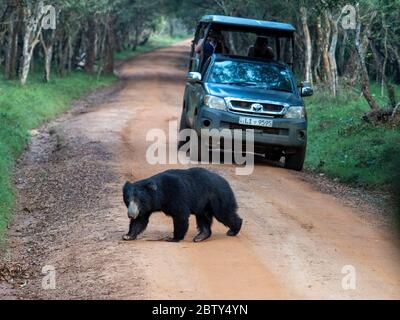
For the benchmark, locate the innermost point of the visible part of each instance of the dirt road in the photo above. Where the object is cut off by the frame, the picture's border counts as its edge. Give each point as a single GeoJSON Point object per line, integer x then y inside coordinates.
{"type": "Point", "coordinates": [294, 243]}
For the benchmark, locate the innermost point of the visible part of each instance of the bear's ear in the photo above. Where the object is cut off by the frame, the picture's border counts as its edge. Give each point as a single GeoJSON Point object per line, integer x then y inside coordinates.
{"type": "Point", "coordinates": [151, 186]}
{"type": "Point", "coordinates": [126, 186]}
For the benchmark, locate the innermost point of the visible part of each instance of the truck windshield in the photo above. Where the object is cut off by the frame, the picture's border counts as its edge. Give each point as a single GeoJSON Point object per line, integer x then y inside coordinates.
{"type": "Point", "coordinates": [270, 76]}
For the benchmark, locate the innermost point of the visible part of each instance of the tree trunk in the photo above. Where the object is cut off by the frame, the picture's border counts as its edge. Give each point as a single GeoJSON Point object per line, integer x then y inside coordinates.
{"type": "Point", "coordinates": [318, 50]}
{"type": "Point", "coordinates": [15, 48]}
{"type": "Point", "coordinates": [342, 53]}
{"type": "Point", "coordinates": [47, 64]}
{"type": "Point", "coordinates": [325, 36]}
{"type": "Point", "coordinates": [136, 40]}
{"type": "Point", "coordinates": [27, 52]}
{"type": "Point", "coordinates": [361, 46]}
{"type": "Point", "coordinates": [308, 45]}
{"type": "Point", "coordinates": [392, 95]}
{"type": "Point", "coordinates": [8, 54]}
{"type": "Point", "coordinates": [58, 56]}
{"type": "Point", "coordinates": [171, 28]}
{"type": "Point", "coordinates": [70, 53]}
{"type": "Point", "coordinates": [64, 55]}
{"type": "Point", "coordinates": [5, 33]}
{"type": "Point", "coordinates": [378, 61]}
{"type": "Point", "coordinates": [48, 55]}
{"type": "Point", "coordinates": [397, 58]}
{"type": "Point", "coordinates": [109, 46]}
{"type": "Point", "coordinates": [352, 68]}
{"type": "Point", "coordinates": [91, 50]}
{"type": "Point", "coordinates": [33, 29]}
{"type": "Point", "coordinates": [334, 80]}
{"type": "Point", "coordinates": [384, 61]}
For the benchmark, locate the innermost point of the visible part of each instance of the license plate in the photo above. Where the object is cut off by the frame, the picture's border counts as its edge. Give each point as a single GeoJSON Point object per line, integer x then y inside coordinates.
{"type": "Point", "coordinates": [256, 122]}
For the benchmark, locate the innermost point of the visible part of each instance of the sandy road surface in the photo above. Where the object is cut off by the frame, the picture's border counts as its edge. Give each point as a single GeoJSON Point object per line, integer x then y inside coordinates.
{"type": "Point", "coordinates": [294, 242]}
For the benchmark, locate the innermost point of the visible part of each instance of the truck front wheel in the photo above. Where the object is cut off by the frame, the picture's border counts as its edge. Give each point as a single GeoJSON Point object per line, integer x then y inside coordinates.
{"type": "Point", "coordinates": [182, 126]}
{"type": "Point", "coordinates": [295, 161]}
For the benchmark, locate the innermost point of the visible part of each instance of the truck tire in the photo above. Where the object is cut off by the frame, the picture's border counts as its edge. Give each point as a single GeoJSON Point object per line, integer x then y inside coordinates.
{"type": "Point", "coordinates": [295, 161]}
{"type": "Point", "coordinates": [182, 126]}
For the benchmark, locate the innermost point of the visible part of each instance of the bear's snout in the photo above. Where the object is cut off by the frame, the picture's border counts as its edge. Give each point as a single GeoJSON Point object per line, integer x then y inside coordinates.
{"type": "Point", "coordinates": [133, 210]}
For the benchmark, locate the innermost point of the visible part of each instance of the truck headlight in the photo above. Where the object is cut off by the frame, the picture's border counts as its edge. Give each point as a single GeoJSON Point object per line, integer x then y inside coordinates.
{"type": "Point", "coordinates": [215, 102]}
{"type": "Point", "coordinates": [295, 113]}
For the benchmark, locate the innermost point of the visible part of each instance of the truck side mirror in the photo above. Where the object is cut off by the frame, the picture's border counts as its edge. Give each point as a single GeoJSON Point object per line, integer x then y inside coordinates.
{"type": "Point", "coordinates": [306, 89]}
{"type": "Point", "coordinates": [194, 77]}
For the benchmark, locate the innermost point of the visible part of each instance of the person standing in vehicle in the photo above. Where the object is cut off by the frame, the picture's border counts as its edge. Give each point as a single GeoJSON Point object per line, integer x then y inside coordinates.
{"type": "Point", "coordinates": [213, 44]}
{"type": "Point", "coordinates": [261, 49]}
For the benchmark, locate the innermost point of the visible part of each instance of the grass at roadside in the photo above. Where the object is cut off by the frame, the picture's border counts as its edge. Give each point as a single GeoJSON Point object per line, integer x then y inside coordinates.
{"type": "Point", "coordinates": [155, 42]}
{"type": "Point", "coordinates": [343, 146]}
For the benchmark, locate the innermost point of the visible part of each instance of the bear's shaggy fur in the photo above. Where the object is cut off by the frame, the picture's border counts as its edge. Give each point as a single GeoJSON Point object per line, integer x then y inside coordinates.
{"type": "Point", "coordinates": [179, 193]}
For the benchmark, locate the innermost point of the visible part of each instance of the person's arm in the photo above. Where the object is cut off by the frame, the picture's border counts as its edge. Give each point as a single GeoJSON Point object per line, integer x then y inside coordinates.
{"type": "Point", "coordinates": [199, 47]}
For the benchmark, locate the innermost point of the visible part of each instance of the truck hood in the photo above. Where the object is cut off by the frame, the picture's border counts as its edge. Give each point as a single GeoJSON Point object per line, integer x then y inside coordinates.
{"type": "Point", "coordinates": [250, 93]}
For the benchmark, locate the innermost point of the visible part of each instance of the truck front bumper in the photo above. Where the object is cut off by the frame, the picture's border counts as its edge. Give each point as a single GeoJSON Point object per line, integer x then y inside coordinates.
{"type": "Point", "coordinates": [284, 133]}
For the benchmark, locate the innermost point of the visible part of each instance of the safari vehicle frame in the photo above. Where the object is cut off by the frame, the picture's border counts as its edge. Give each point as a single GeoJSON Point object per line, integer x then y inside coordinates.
{"type": "Point", "coordinates": [276, 30]}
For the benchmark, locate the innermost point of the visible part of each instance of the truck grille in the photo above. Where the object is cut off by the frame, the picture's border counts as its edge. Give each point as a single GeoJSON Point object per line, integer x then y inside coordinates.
{"type": "Point", "coordinates": [254, 107]}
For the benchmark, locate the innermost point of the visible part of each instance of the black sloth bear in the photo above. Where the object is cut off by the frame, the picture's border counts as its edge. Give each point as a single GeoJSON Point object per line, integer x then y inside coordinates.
{"type": "Point", "coordinates": [179, 193]}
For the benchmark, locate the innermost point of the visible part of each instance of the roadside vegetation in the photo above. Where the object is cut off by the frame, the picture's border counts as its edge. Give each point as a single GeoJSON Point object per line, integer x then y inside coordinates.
{"type": "Point", "coordinates": [25, 108]}
{"type": "Point", "coordinates": [342, 145]}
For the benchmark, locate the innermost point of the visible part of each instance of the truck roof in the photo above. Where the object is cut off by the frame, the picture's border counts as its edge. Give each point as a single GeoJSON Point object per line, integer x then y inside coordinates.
{"type": "Point", "coordinates": [248, 23]}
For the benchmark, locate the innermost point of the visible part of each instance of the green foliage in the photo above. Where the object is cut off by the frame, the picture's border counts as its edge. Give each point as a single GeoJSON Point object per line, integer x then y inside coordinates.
{"type": "Point", "coordinates": [341, 145]}
{"type": "Point", "coordinates": [25, 108]}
